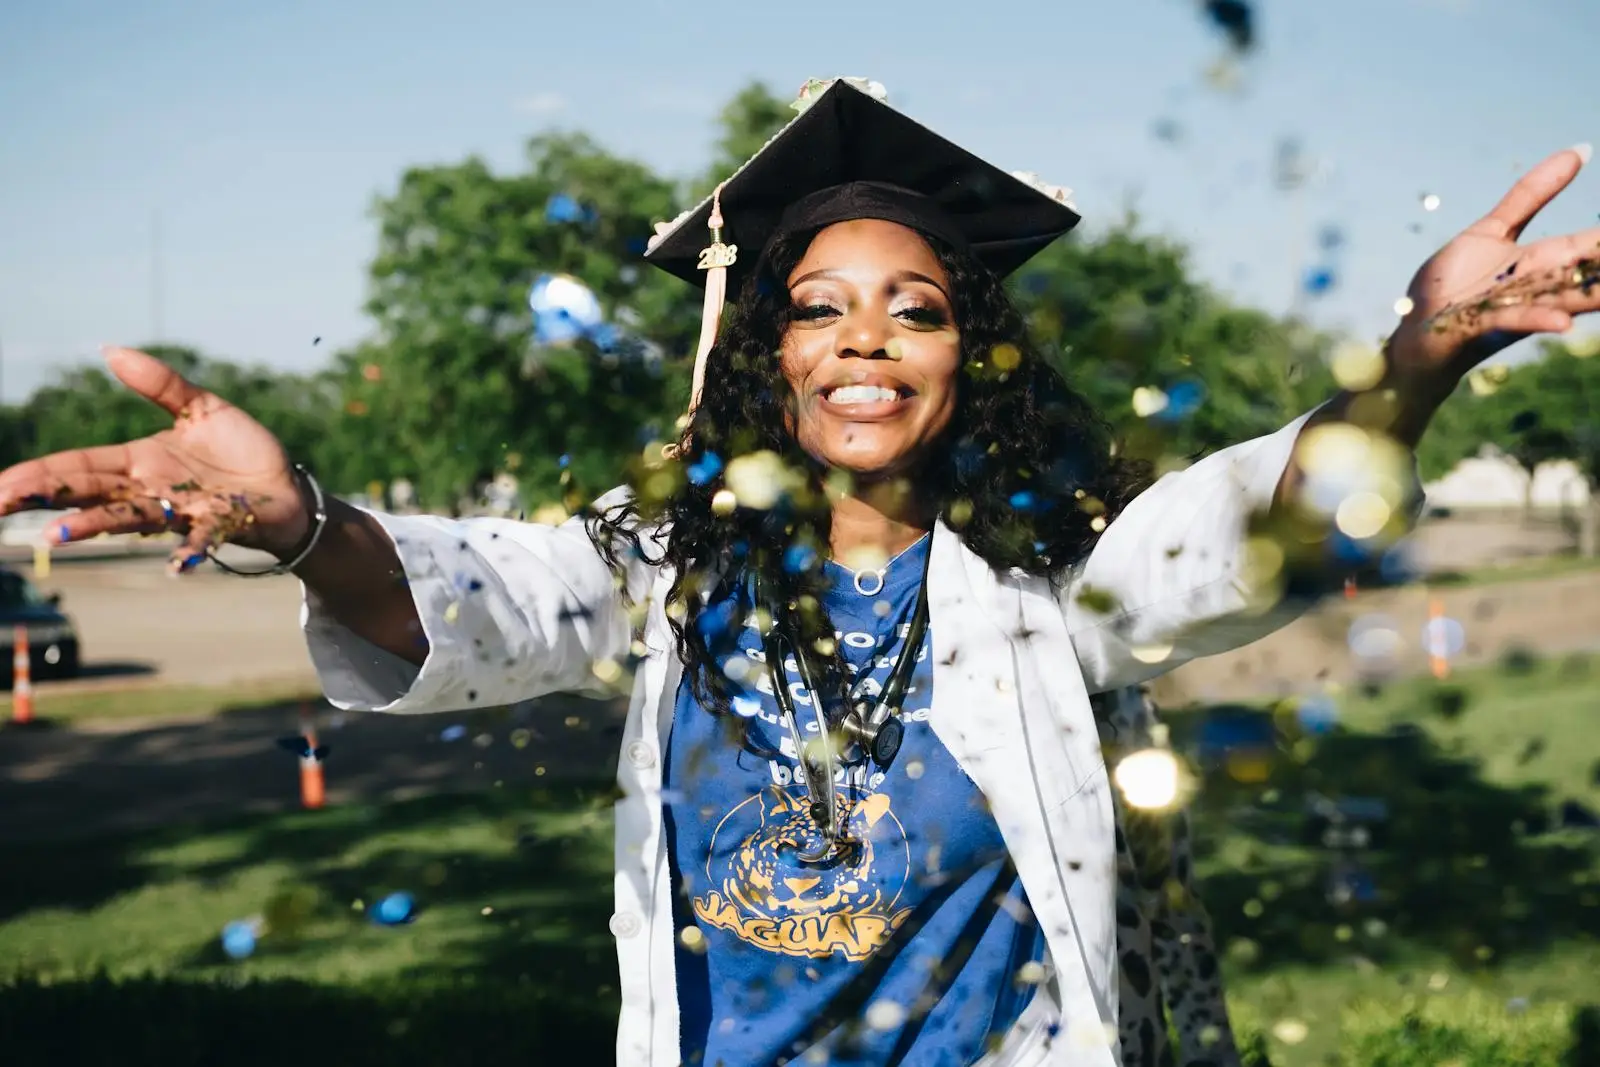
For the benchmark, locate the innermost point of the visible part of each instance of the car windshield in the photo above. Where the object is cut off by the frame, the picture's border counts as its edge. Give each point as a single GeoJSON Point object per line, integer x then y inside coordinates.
{"type": "Point", "coordinates": [17, 592]}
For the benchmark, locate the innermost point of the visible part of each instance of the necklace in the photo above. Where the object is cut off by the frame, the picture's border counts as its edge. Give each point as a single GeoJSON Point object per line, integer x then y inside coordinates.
{"type": "Point", "coordinates": [869, 581]}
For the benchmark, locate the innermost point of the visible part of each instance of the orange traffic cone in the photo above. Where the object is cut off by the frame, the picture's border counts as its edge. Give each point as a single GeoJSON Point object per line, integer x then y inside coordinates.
{"type": "Point", "coordinates": [21, 678]}
{"type": "Point", "coordinates": [1438, 661]}
{"type": "Point", "coordinates": [313, 792]}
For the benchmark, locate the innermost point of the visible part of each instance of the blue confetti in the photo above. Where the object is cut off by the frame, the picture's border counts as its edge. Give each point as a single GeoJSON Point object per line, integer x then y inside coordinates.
{"type": "Point", "coordinates": [705, 468]}
{"type": "Point", "coordinates": [239, 939]}
{"type": "Point", "coordinates": [453, 733]}
{"type": "Point", "coordinates": [1183, 399]}
{"type": "Point", "coordinates": [396, 909]}
{"type": "Point", "coordinates": [561, 208]}
{"type": "Point", "coordinates": [1318, 280]}
{"type": "Point", "coordinates": [564, 460]}
{"type": "Point", "coordinates": [799, 559]}
{"type": "Point", "coordinates": [564, 309]}
{"type": "Point", "coordinates": [1022, 501]}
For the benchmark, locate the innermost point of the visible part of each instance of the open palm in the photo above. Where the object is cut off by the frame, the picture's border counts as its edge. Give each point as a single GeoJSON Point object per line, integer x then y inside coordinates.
{"type": "Point", "coordinates": [1484, 291]}
{"type": "Point", "coordinates": [216, 475]}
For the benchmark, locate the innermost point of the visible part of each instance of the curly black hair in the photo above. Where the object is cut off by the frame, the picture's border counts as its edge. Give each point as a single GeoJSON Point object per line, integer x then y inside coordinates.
{"type": "Point", "coordinates": [1027, 472]}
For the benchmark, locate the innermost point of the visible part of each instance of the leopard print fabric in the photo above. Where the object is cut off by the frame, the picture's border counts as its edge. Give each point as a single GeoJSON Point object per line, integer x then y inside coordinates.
{"type": "Point", "coordinates": [1164, 943]}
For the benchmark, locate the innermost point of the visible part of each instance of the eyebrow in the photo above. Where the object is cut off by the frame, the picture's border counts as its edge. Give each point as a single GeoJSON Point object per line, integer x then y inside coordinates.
{"type": "Point", "coordinates": [897, 276]}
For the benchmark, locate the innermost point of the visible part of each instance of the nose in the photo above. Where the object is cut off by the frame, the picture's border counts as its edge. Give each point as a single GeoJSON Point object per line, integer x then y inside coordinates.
{"type": "Point", "coordinates": [864, 334]}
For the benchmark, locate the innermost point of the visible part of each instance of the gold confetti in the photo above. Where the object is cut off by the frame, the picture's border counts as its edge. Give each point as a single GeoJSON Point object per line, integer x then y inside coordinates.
{"type": "Point", "coordinates": [1149, 779]}
{"type": "Point", "coordinates": [1290, 1031]}
{"type": "Point", "coordinates": [41, 561]}
{"type": "Point", "coordinates": [1362, 515]}
{"type": "Point", "coordinates": [1357, 367]}
{"type": "Point", "coordinates": [1147, 400]}
{"type": "Point", "coordinates": [452, 612]}
{"type": "Point", "coordinates": [723, 503]}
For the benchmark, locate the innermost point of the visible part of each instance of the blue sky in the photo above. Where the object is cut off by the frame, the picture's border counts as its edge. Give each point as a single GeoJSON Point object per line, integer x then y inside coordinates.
{"type": "Point", "coordinates": [261, 136]}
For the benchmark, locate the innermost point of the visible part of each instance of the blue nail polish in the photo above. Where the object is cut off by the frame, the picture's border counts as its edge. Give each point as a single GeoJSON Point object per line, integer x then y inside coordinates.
{"type": "Point", "coordinates": [191, 563]}
{"type": "Point", "coordinates": [63, 535]}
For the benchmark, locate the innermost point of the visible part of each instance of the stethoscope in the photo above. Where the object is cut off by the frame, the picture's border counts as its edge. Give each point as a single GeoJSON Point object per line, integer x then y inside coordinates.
{"type": "Point", "coordinates": [877, 728]}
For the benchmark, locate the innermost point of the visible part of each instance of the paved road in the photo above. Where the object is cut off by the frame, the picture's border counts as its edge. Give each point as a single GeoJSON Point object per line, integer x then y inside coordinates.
{"type": "Point", "coordinates": [204, 628]}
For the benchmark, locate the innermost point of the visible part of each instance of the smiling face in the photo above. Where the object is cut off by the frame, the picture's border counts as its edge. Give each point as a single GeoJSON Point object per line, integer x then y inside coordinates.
{"type": "Point", "coordinates": [873, 350]}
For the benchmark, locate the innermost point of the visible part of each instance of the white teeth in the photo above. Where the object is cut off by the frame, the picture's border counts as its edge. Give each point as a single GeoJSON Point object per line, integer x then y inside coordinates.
{"type": "Point", "coordinates": [861, 394]}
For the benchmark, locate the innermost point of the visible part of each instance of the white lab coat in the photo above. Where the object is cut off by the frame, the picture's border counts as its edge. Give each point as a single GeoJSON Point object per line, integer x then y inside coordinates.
{"type": "Point", "coordinates": [512, 611]}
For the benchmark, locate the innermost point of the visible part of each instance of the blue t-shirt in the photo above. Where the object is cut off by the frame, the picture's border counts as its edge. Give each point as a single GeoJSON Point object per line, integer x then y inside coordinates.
{"type": "Point", "coordinates": [770, 949]}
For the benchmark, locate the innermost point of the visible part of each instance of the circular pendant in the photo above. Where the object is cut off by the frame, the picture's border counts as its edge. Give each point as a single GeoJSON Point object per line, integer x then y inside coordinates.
{"type": "Point", "coordinates": [886, 745]}
{"type": "Point", "coordinates": [864, 577]}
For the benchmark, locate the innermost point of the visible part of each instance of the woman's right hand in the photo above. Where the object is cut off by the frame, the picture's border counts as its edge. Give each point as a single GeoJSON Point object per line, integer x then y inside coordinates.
{"type": "Point", "coordinates": [224, 475]}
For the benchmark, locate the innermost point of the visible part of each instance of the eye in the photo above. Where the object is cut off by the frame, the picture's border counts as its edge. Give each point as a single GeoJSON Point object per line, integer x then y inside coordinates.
{"type": "Point", "coordinates": [814, 311]}
{"type": "Point", "coordinates": [922, 316]}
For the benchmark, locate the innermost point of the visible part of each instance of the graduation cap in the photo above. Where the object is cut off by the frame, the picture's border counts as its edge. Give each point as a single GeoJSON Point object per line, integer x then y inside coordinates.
{"type": "Point", "coordinates": [849, 155]}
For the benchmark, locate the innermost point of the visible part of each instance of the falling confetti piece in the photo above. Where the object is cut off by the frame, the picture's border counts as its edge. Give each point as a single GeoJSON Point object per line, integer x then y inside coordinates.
{"type": "Point", "coordinates": [41, 561]}
{"type": "Point", "coordinates": [1147, 400]}
{"type": "Point", "coordinates": [1357, 367]}
{"type": "Point", "coordinates": [1318, 280]}
{"type": "Point", "coordinates": [1404, 306]}
{"type": "Point", "coordinates": [452, 733]}
{"type": "Point", "coordinates": [1290, 1031]}
{"type": "Point", "coordinates": [1430, 202]}
{"type": "Point", "coordinates": [564, 309]}
{"type": "Point", "coordinates": [885, 1015]}
{"type": "Point", "coordinates": [396, 909]}
{"type": "Point", "coordinates": [1149, 780]}
{"type": "Point", "coordinates": [1235, 19]}
{"type": "Point", "coordinates": [1443, 637]}
{"type": "Point", "coordinates": [1374, 637]}
{"type": "Point", "coordinates": [239, 938]}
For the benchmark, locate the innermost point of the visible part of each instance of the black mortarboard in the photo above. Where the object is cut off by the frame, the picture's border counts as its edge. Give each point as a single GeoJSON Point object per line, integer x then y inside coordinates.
{"type": "Point", "coordinates": [848, 155]}
{"type": "Point", "coordinates": [846, 136]}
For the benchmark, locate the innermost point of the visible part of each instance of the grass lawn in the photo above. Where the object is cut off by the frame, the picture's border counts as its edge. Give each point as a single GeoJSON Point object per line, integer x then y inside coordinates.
{"type": "Point", "coordinates": [1523, 570]}
{"type": "Point", "coordinates": [1479, 911]}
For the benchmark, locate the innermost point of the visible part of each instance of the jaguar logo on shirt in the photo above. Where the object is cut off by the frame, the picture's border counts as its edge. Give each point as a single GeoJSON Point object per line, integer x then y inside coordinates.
{"type": "Point", "coordinates": [767, 897]}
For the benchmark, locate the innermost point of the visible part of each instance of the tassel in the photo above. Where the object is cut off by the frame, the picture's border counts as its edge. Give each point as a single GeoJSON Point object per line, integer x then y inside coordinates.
{"type": "Point", "coordinates": [715, 259]}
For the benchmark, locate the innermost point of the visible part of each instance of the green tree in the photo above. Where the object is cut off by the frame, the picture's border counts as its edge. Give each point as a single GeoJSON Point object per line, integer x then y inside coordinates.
{"type": "Point", "coordinates": [1122, 311]}
{"type": "Point", "coordinates": [459, 384]}
{"type": "Point", "coordinates": [746, 122]}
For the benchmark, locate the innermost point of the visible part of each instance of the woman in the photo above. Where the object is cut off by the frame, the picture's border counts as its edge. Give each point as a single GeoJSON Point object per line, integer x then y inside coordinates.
{"type": "Point", "coordinates": [865, 817]}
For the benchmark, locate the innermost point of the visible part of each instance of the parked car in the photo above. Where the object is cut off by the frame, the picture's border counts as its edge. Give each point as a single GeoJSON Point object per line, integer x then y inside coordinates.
{"type": "Point", "coordinates": [52, 637]}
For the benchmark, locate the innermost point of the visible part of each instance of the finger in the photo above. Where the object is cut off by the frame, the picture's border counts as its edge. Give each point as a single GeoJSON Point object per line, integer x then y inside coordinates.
{"type": "Point", "coordinates": [1532, 192]}
{"type": "Point", "coordinates": [154, 380]}
{"type": "Point", "coordinates": [66, 480]}
{"type": "Point", "coordinates": [1527, 319]}
{"type": "Point", "coordinates": [124, 517]}
{"type": "Point", "coordinates": [191, 551]}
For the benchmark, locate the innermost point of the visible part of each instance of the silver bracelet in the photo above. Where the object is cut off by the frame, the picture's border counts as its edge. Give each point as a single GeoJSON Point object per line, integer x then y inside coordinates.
{"type": "Point", "coordinates": [319, 521]}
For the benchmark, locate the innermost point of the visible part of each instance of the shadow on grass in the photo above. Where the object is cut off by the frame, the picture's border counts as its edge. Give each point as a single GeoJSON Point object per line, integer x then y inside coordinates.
{"type": "Point", "coordinates": [59, 782]}
{"type": "Point", "coordinates": [1461, 866]}
{"type": "Point", "coordinates": [272, 1023]}
{"type": "Point", "coordinates": [536, 976]}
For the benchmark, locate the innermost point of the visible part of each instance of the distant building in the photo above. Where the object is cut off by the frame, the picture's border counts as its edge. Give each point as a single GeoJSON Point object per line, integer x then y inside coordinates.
{"type": "Point", "coordinates": [1491, 480]}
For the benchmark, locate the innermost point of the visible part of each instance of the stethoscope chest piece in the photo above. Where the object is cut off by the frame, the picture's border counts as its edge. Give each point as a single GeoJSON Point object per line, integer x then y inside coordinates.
{"type": "Point", "coordinates": [886, 742]}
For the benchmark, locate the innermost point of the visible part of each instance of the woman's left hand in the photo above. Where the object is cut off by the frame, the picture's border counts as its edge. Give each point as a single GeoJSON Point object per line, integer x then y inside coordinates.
{"type": "Point", "coordinates": [1483, 291]}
